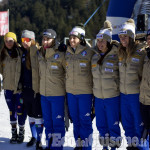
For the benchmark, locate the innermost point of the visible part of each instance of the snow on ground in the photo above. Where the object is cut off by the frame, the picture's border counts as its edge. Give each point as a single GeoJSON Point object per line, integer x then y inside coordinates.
{"type": "Point", "coordinates": [5, 133]}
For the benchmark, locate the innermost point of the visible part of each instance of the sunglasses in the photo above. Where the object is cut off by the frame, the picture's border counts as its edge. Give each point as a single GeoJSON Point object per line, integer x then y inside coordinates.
{"type": "Point", "coordinates": [25, 39]}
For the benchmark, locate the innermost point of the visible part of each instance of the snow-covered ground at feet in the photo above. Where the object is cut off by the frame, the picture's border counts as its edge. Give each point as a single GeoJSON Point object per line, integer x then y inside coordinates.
{"type": "Point", "coordinates": [5, 133]}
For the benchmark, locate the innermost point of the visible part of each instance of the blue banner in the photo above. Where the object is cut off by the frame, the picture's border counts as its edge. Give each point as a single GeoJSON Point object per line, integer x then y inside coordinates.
{"type": "Point", "coordinates": [118, 12]}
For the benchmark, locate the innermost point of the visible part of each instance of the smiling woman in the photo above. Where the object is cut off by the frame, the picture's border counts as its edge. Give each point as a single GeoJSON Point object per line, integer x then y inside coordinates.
{"type": "Point", "coordinates": [10, 66]}
{"type": "Point", "coordinates": [105, 71]}
{"type": "Point", "coordinates": [79, 86]}
{"type": "Point", "coordinates": [31, 97]}
{"type": "Point", "coordinates": [50, 69]}
{"type": "Point", "coordinates": [131, 60]}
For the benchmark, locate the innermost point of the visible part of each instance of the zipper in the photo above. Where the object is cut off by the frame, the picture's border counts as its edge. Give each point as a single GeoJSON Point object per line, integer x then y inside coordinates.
{"type": "Point", "coordinates": [100, 67]}
{"type": "Point", "coordinates": [73, 67]}
{"type": "Point", "coordinates": [10, 73]}
{"type": "Point", "coordinates": [125, 65]}
{"type": "Point", "coordinates": [144, 89]}
{"type": "Point", "coordinates": [45, 74]}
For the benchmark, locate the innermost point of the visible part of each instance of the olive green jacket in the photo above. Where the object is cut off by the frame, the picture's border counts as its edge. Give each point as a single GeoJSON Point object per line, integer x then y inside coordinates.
{"type": "Point", "coordinates": [11, 71]}
{"type": "Point", "coordinates": [106, 75]}
{"type": "Point", "coordinates": [131, 72]}
{"type": "Point", "coordinates": [49, 71]}
{"type": "Point", "coordinates": [145, 83]}
{"type": "Point", "coordinates": [78, 70]}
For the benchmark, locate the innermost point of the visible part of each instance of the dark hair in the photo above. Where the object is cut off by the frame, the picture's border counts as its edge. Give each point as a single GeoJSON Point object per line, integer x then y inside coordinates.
{"type": "Point", "coordinates": [109, 46]}
{"type": "Point", "coordinates": [83, 42]}
{"type": "Point", "coordinates": [14, 53]}
{"type": "Point", "coordinates": [53, 43]}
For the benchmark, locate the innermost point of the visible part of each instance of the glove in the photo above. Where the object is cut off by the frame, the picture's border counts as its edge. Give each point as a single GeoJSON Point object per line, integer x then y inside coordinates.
{"type": "Point", "coordinates": [148, 53]}
{"type": "Point", "coordinates": [67, 123]}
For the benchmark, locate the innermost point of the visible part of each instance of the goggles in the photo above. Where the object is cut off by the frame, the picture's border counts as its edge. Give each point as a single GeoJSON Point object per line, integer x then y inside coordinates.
{"type": "Point", "coordinates": [25, 39]}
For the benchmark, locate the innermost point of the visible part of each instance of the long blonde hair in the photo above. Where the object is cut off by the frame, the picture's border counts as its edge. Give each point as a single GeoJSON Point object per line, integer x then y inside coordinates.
{"type": "Point", "coordinates": [126, 53]}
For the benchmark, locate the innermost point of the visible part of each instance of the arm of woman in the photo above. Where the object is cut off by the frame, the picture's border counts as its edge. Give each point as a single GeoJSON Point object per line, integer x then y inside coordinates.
{"type": "Point", "coordinates": [35, 68]}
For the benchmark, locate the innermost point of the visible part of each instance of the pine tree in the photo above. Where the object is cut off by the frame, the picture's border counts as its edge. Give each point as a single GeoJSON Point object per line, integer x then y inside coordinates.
{"type": "Point", "coordinates": [61, 15]}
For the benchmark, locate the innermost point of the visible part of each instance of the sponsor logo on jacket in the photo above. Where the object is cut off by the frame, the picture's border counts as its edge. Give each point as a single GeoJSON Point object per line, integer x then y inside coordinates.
{"type": "Point", "coordinates": [56, 56]}
{"type": "Point", "coordinates": [84, 53]}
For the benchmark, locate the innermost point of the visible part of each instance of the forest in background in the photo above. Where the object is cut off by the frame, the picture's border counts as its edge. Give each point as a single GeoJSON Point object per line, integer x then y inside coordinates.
{"type": "Point", "coordinates": [60, 15]}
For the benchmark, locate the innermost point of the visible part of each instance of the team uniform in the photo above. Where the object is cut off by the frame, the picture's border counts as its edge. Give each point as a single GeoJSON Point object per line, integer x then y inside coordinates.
{"type": "Point", "coordinates": [51, 63]}
{"type": "Point", "coordinates": [11, 70]}
{"type": "Point", "coordinates": [79, 92]}
{"type": "Point", "coordinates": [144, 97]}
{"type": "Point", "coordinates": [131, 60]}
{"type": "Point", "coordinates": [130, 77]}
{"type": "Point", "coordinates": [107, 95]}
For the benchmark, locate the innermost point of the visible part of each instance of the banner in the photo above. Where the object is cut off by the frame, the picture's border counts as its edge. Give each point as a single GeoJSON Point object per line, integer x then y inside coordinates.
{"type": "Point", "coordinates": [4, 22]}
{"type": "Point", "coordinates": [119, 11]}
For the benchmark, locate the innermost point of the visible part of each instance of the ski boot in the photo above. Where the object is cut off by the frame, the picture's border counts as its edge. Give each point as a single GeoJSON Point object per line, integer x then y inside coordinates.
{"type": "Point", "coordinates": [13, 139]}
{"type": "Point", "coordinates": [31, 142]}
{"type": "Point", "coordinates": [20, 137]}
{"type": "Point", "coordinates": [39, 145]}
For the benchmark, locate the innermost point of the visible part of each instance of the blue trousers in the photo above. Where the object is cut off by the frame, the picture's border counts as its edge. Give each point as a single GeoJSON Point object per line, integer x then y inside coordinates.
{"type": "Point", "coordinates": [16, 108]}
{"type": "Point", "coordinates": [107, 113]}
{"type": "Point", "coordinates": [80, 113]}
{"type": "Point", "coordinates": [131, 117]}
{"type": "Point", "coordinates": [53, 116]}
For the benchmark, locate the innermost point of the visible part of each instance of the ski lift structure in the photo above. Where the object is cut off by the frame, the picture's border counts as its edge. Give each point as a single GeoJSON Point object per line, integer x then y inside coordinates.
{"type": "Point", "coordinates": [119, 12]}
{"type": "Point", "coordinates": [89, 42]}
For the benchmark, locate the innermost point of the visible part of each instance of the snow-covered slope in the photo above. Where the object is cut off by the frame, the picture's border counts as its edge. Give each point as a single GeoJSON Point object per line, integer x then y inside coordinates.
{"type": "Point", "coordinates": [5, 133]}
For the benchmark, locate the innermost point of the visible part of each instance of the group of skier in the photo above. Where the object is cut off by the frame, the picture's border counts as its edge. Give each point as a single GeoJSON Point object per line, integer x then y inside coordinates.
{"type": "Point", "coordinates": [110, 80]}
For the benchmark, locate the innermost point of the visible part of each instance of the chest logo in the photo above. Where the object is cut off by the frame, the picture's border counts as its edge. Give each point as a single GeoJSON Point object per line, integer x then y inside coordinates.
{"type": "Point", "coordinates": [139, 50]}
{"type": "Point", "coordinates": [56, 56]}
{"type": "Point", "coordinates": [68, 53]}
{"type": "Point", "coordinates": [84, 53]}
{"type": "Point", "coordinates": [112, 56]}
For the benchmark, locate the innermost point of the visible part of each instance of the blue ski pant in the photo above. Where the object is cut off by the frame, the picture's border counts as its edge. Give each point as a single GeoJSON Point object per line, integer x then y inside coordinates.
{"type": "Point", "coordinates": [107, 112]}
{"type": "Point", "coordinates": [53, 116]}
{"type": "Point", "coordinates": [131, 118]}
{"type": "Point", "coordinates": [80, 113]}
{"type": "Point", "coordinates": [16, 107]}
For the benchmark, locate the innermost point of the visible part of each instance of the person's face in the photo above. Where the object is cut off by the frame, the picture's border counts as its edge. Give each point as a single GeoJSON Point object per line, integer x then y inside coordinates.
{"type": "Point", "coordinates": [148, 40]}
{"type": "Point", "coordinates": [26, 42]}
{"type": "Point", "coordinates": [47, 42]}
{"type": "Point", "coordinates": [124, 39]}
{"type": "Point", "coordinates": [74, 41]}
{"type": "Point", "coordinates": [102, 45]}
{"type": "Point", "coordinates": [9, 42]}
